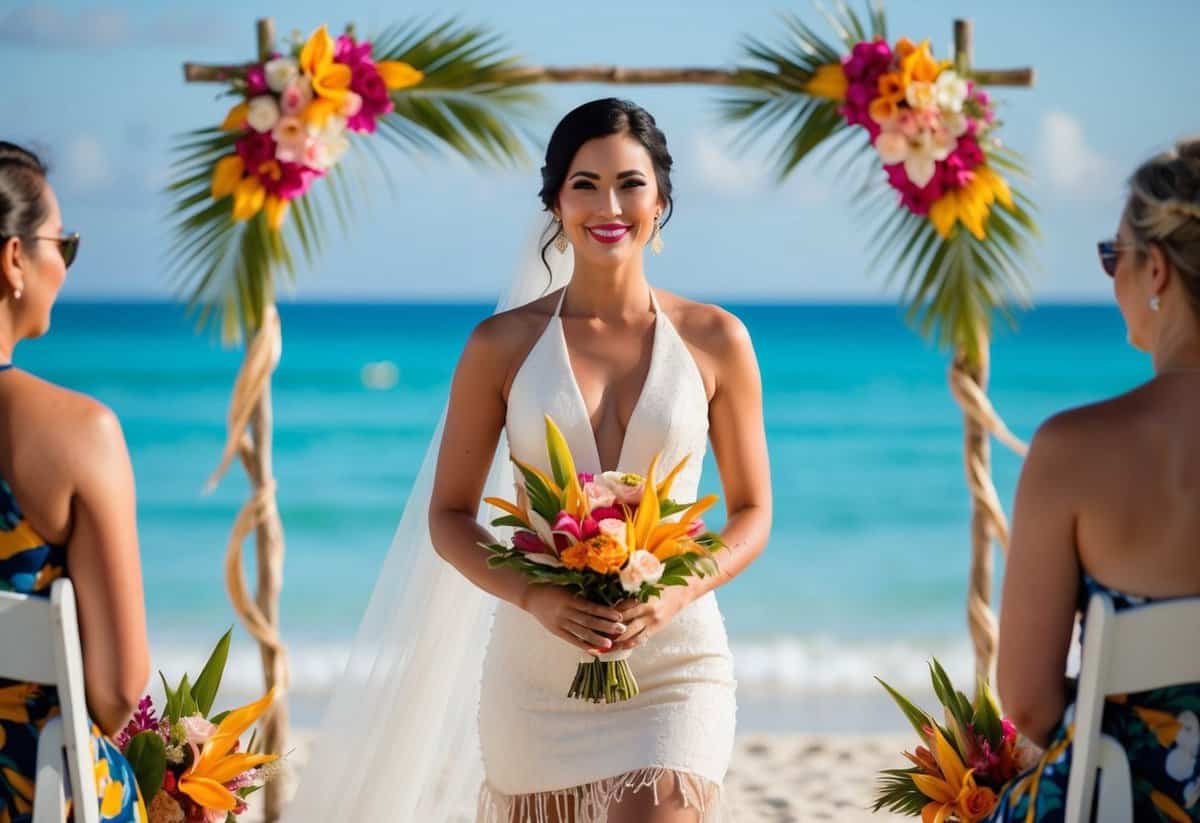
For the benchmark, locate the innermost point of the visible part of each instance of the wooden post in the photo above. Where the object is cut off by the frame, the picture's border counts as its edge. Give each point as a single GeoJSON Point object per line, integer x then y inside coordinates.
{"type": "Point", "coordinates": [988, 523]}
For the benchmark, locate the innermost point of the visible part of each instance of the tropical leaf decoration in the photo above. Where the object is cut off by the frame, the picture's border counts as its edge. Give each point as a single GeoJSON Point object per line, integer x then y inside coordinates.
{"type": "Point", "coordinates": [254, 197]}
{"type": "Point", "coordinates": [946, 220]}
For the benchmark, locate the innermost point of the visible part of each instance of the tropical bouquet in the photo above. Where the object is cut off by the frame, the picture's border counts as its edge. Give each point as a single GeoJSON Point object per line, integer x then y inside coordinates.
{"type": "Point", "coordinates": [292, 124]}
{"type": "Point", "coordinates": [608, 537]}
{"type": "Point", "coordinates": [189, 763]}
{"type": "Point", "coordinates": [961, 767]}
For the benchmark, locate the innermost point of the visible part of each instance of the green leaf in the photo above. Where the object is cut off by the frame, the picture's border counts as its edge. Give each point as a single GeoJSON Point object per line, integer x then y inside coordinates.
{"type": "Point", "coordinates": [187, 702]}
{"type": "Point", "coordinates": [543, 501]}
{"type": "Point", "coordinates": [510, 521]}
{"type": "Point", "coordinates": [987, 713]}
{"type": "Point", "coordinates": [919, 719]}
{"type": "Point", "coordinates": [217, 718]}
{"type": "Point", "coordinates": [171, 706]}
{"type": "Point", "coordinates": [147, 755]}
{"type": "Point", "coordinates": [205, 690]}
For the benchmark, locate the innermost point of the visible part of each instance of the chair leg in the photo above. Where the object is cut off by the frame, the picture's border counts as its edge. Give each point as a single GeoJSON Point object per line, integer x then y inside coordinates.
{"type": "Point", "coordinates": [50, 802]}
{"type": "Point", "coordinates": [1114, 798]}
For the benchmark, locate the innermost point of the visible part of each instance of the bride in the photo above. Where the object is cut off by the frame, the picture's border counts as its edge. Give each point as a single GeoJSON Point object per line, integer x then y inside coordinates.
{"type": "Point", "coordinates": [626, 371]}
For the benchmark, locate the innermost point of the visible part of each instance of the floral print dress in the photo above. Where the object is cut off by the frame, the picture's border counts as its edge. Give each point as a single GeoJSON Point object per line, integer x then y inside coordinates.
{"type": "Point", "coordinates": [28, 564]}
{"type": "Point", "coordinates": [1160, 731]}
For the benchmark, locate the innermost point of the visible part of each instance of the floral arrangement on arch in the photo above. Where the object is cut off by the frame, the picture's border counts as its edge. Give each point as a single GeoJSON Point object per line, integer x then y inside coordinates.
{"type": "Point", "coordinates": [936, 171]}
{"type": "Point", "coordinates": [295, 120]}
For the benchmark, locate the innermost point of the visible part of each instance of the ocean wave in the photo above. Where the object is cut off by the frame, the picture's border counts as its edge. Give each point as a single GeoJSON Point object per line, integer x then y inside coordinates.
{"type": "Point", "coordinates": [787, 666]}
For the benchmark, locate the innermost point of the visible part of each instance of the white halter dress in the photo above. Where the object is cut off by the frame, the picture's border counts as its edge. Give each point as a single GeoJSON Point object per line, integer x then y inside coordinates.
{"type": "Point", "coordinates": [545, 754]}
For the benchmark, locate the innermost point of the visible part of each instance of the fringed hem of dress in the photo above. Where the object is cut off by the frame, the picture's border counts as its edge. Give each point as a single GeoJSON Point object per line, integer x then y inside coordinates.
{"type": "Point", "coordinates": [590, 803]}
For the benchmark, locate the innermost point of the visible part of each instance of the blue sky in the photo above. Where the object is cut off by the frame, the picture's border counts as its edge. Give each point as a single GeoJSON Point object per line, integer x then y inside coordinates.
{"type": "Point", "coordinates": [99, 87]}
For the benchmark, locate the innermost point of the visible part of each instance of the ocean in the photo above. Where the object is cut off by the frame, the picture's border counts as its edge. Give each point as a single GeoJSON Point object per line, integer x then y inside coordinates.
{"type": "Point", "coordinates": [866, 569]}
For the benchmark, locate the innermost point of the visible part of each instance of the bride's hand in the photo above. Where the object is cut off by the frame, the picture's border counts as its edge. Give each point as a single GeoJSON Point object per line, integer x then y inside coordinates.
{"type": "Point", "coordinates": [587, 626]}
{"type": "Point", "coordinates": [644, 620]}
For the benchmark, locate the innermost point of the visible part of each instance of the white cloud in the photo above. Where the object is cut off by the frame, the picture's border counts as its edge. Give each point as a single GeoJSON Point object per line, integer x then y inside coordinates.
{"type": "Point", "coordinates": [1071, 166]}
{"type": "Point", "coordinates": [43, 25]}
{"type": "Point", "coordinates": [88, 165]}
{"type": "Point", "coordinates": [734, 171]}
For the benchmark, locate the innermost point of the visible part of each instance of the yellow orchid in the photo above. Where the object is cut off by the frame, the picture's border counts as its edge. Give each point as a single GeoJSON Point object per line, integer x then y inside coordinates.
{"type": "Point", "coordinates": [204, 781]}
{"type": "Point", "coordinates": [226, 176]}
{"type": "Point", "coordinates": [248, 198]}
{"type": "Point", "coordinates": [398, 75]}
{"type": "Point", "coordinates": [236, 119]}
{"type": "Point", "coordinates": [637, 535]}
{"type": "Point", "coordinates": [664, 486]}
{"type": "Point", "coordinates": [330, 80]}
{"type": "Point", "coordinates": [828, 82]}
{"type": "Point", "coordinates": [276, 209]}
{"type": "Point", "coordinates": [953, 792]}
{"type": "Point", "coordinates": [918, 65]}
{"type": "Point", "coordinates": [971, 204]}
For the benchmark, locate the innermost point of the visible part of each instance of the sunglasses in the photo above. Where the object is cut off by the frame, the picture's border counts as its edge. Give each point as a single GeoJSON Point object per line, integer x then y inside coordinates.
{"type": "Point", "coordinates": [68, 246]}
{"type": "Point", "coordinates": [1110, 255]}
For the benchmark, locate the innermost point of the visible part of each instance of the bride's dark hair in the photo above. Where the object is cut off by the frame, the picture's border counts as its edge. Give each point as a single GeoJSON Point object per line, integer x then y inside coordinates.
{"type": "Point", "coordinates": [602, 118]}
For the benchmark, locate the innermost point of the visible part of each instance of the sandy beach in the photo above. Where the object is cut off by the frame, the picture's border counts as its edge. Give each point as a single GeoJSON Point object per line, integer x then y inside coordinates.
{"type": "Point", "coordinates": [774, 778]}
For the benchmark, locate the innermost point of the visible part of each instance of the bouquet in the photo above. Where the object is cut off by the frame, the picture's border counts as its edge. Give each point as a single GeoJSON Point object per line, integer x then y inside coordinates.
{"type": "Point", "coordinates": [960, 770]}
{"type": "Point", "coordinates": [294, 118]}
{"type": "Point", "coordinates": [608, 537]}
{"type": "Point", "coordinates": [931, 127]}
{"type": "Point", "coordinates": [187, 762]}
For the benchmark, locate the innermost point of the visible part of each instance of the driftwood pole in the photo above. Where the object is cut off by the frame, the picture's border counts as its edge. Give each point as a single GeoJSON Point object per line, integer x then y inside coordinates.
{"type": "Point", "coordinates": [968, 384]}
{"type": "Point", "coordinates": [250, 440]}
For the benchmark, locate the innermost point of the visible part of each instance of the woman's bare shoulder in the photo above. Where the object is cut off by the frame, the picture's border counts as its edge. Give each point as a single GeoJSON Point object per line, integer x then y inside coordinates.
{"type": "Point", "coordinates": [499, 343]}
{"type": "Point", "coordinates": [716, 331]}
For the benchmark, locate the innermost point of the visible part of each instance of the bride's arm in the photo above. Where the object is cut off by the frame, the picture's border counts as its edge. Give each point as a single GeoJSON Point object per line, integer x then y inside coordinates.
{"type": "Point", "coordinates": [474, 420]}
{"type": "Point", "coordinates": [739, 444]}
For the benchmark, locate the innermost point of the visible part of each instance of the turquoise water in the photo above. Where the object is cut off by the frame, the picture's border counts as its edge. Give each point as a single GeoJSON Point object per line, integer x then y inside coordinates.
{"type": "Point", "coordinates": [867, 564]}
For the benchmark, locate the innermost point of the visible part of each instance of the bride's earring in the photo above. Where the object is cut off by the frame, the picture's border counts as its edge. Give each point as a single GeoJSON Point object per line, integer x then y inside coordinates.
{"type": "Point", "coordinates": [1155, 303]}
{"type": "Point", "coordinates": [560, 239]}
{"type": "Point", "coordinates": [656, 243]}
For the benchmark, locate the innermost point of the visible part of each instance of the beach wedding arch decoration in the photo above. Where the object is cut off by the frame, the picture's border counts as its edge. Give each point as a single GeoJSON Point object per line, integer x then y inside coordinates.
{"type": "Point", "coordinates": [253, 198]}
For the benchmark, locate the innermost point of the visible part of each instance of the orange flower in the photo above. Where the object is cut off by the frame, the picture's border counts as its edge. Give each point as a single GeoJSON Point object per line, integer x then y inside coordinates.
{"type": "Point", "coordinates": [604, 554]}
{"type": "Point", "coordinates": [904, 47]}
{"type": "Point", "coordinates": [575, 557]}
{"type": "Point", "coordinates": [883, 109]}
{"type": "Point", "coordinates": [919, 66]}
{"type": "Point", "coordinates": [976, 804]}
{"type": "Point", "coordinates": [891, 85]}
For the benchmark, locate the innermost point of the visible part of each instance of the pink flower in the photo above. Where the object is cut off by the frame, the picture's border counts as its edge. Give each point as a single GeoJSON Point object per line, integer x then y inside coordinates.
{"type": "Point", "coordinates": [968, 152]}
{"type": "Point", "coordinates": [288, 180]}
{"type": "Point", "coordinates": [296, 96]}
{"type": "Point", "coordinates": [291, 136]}
{"type": "Point", "coordinates": [528, 542]}
{"type": "Point", "coordinates": [143, 720]}
{"type": "Point", "coordinates": [614, 528]}
{"type": "Point", "coordinates": [197, 729]}
{"type": "Point", "coordinates": [347, 51]}
{"type": "Point", "coordinates": [255, 149]}
{"type": "Point", "coordinates": [1008, 732]}
{"type": "Point", "coordinates": [566, 523]}
{"type": "Point", "coordinates": [608, 513]}
{"type": "Point", "coordinates": [696, 529]}
{"type": "Point", "coordinates": [586, 477]}
{"type": "Point", "coordinates": [256, 80]}
{"type": "Point", "coordinates": [569, 530]}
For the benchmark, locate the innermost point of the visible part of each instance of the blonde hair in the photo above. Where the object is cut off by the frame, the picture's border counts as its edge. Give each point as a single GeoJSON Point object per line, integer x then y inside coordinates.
{"type": "Point", "coordinates": [1164, 210]}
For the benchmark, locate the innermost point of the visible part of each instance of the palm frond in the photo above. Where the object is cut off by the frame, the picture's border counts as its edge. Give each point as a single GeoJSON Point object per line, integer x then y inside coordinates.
{"type": "Point", "coordinates": [771, 97]}
{"type": "Point", "coordinates": [467, 102]}
{"type": "Point", "coordinates": [897, 793]}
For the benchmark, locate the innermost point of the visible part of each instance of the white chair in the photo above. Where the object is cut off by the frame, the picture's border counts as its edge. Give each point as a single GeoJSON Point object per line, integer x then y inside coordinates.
{"type": "Point", "coordinates": [1142, 648]}
{"type": "Point", "coordinates": [39, 643]}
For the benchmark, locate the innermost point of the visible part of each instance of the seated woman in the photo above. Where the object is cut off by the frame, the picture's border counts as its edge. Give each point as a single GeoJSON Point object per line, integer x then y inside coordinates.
{"type": "Point", "coordinates": [1109, 501]}
{"type": "Point", "coordinates": [66, 507]}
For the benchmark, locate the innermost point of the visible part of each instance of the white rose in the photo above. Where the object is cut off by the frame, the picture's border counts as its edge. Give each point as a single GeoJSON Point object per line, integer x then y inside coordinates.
{"type": "Point", "coordinates": [197, 729]}
{"type": "Point", "coordinates": [950, 91]}
{"type": "Point", "coordinates": [263, 113]}
{"type": "Point", "coordinates": [280, 72]}
{"type": "Point", "coordinates": [626, 487]}
{"type": "Point", "coordinates": [642, 567]}
{"type": "Point", "coordinates": [598, 494]}
{"type": "Point", "coordinates": [613, 527]}
{"type": "Point", "coordinates": [892, 147]}
{"type": "Point", "coordinates": [955, 124]}
{"type": "Point", "coordinates": [920, 95]}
